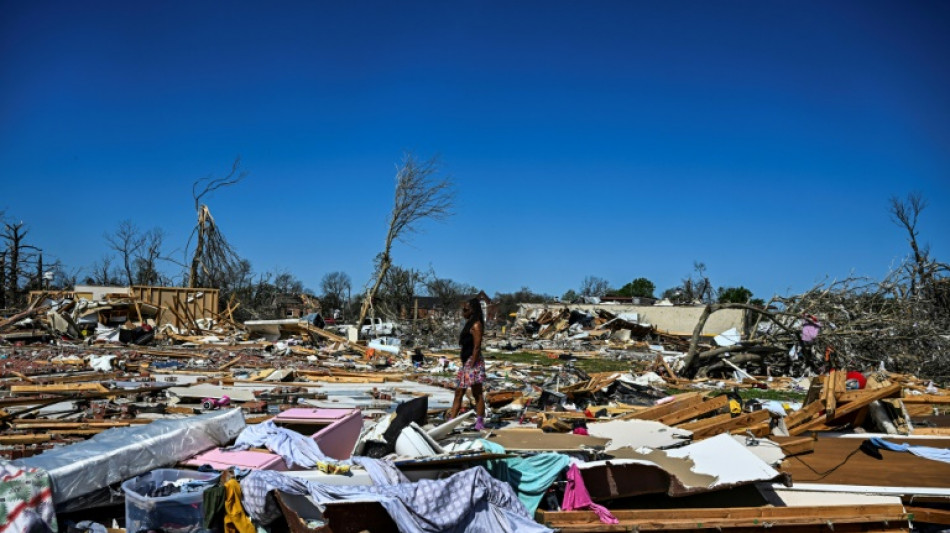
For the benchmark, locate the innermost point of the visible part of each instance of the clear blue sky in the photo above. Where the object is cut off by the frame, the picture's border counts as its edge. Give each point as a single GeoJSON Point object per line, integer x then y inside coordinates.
{"type": "Point", "coordinates": [616, 139]}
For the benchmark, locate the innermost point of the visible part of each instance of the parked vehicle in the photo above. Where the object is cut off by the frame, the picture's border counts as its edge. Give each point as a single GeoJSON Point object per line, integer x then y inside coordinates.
{"type": "Point", "coordinates": [375, 327]}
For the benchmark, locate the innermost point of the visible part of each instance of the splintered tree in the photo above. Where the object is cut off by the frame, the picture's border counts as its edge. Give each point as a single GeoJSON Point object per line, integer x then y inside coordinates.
{"type": "Point", "coordinates": [214, 260]}
{"type": "Point", "coordinates": [420, 194]}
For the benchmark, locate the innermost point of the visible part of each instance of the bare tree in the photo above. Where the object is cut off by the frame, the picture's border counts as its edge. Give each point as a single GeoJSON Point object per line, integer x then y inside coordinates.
{"type": "Point", "coordinates": [103, 273]}
{"type": "Point", "coordinates": [905, 213]}
{"type": "Point", "coordinates": [16, 256]}
{"type": "Point", "coordinates": [146, 261]}
{"type": "Point", "coordinates": [448, 293]}
{"type": "Point", "coordinates": [213, 258]}
{"type": "Point", "coordinates": [594, 286]}
{"type": "Point", "coordinates": [335, 287]}
{"type": "Point", "coordinates": [126, 242]}
{"type": "Point", "coordinates": [397, 291]}
{"type": "Point", "coordinates": [419, 195]}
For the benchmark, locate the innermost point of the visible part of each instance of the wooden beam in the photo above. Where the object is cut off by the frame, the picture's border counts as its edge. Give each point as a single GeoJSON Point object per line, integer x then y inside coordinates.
{"type": "Point", "coordinates": [796, 446]}
{"type": "Point", "coordinates": [705, 422]}
{"type": "Point", "coordinates": [828, 395]}
{"type": "Point", "coordinates": [58, 388]}
{"type": "Point", "coordinates": [926, 398]}
{"type": "Point", "coordinates": [804, 414]}
{"type": "Point", "coordinates": [9, 440]}
{"type": "Point", "coordinates": [928, 515]}
{"type": "Point", "coordinates": [740, 422]}
{"type": "Point", "coordinates": [868, 397]}
{"type": "Point", "coordinates": [730, 517]}
{"type": "Point", "coordinates": [681, 401]}
{"type": "Point", "coordinates": [695, 411]}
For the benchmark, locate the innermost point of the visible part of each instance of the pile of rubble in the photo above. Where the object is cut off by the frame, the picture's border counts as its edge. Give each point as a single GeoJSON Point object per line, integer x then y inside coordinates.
{"type": "Point", "coordinates": [305, 429]}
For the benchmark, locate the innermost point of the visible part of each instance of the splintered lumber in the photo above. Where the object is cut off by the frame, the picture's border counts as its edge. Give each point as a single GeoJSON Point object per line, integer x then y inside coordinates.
{"type": "Point", "coordinates": [347, 379]}
{"type": "Point", "coordinates": [335, 338]}
{"type": "Point", "coordinates": [695, 411]}
{"type": "Point", "coordinates": [926, 398]}
{"type": "Point", "coordinates": [817, 424]}
{"type": "Point", "coordinates": [936, 432]}
{"type": "Point", "coordinates": [803, 415]}
{"type": "Point", "coordinates": [229, 364]}
{"type": "Point", "coordinates": [792, 446]}
{"type": "Point", "coordinates": [681, 401]}
{"type": "Point", "coordinates": [705, 422]}
{"type": "Point", "coordinates": [23, 377]}
{"type": "Point", "coordinates": [928, 516]}
{"type": "Point", "coordinates": [870, 395]}
{"type": "Point", "coordinates": [58, 388]}
{"type": "Point", "coordinates": [726, 518]}
{"type": "Point", "coordinates": [740, 422]}
{"type": "Point", "coordinates": [828, 394]}
{"type": "Point", "coordinates": [9, 440]}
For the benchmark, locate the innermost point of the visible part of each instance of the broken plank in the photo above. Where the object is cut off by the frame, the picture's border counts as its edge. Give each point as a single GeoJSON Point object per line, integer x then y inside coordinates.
{"type": "Point", "coordinates": [926, 398]}
{"type": "Point", "coordinates": [804, 414]}
{"type": "Point", "coordinates": [695, 411]}
{"type": "Point", "coordinates": [928, 515]}
{"type": "Point", "coordinates": [731, 517]}
{"type": "Point", "coordinates": [705, 422]}
{"type": "Point", "coordinates": [9, 440]}
{"type": "Point", "coordinates": [680, 402]}
{"type": "Point", "coordinates": [792, 446]}
{"type": "Point", "coordinates": [828, 395]}
{"type": "Point", "coordinates": [58, 388]}
{"type": "Point", "coordinates": [738, 423]}
{"type": "Point", "coordinates": [862, 401]}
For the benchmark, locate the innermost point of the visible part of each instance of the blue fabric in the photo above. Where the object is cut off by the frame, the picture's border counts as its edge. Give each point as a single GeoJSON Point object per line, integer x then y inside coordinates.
{"type": "Point", "coordinates": [927, 452]}
{"type": "Point", "coordinates": [529, 476]}
{"type": "Point", "coordinates": [470, 501]}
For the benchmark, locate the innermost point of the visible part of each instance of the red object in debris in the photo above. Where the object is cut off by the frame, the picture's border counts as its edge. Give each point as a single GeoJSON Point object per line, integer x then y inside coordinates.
{"type": "Point", "coordinates": [856, 377]}
{"type": "Point", "coordinates": [581, 431]}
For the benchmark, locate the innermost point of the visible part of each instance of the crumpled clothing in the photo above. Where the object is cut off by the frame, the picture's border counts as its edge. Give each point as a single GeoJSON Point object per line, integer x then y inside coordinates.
{"type": "Point", "coordinates": [927, 452]}
{"type": "Point", "coordinates": [468, 501]}
{"type": "Point", "coordinates": [294, 448]}
{"type": "Point", "coordinates": [576, 497]}
{"type": "Point", "coordinates": [235, 519]}
{"type": "Point", "coordinates": [27, 496]}
{"type": "Point", "coordinates": [212, 508]}
{"type": "Point", "coordinates": [530, 477]}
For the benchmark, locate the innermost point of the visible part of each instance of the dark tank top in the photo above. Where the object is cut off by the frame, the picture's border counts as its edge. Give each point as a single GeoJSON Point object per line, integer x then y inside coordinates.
{"type": "Point", "coordinates": [467, 341]}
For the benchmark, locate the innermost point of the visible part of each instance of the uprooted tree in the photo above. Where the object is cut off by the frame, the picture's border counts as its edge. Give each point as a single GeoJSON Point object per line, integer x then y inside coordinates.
{"type": "Point", "coordinates": [901, 321]}
{"type": "Point", "coordinates": [420, 194]}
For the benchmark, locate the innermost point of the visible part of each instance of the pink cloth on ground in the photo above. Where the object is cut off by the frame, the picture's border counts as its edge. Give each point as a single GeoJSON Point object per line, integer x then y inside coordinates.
{"type": "Point", "coordinates": [576, 497]}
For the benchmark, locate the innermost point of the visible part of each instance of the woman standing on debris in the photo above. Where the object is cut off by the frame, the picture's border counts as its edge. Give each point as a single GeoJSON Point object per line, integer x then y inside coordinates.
{"type": "Point", "coordinates": [472, 373]}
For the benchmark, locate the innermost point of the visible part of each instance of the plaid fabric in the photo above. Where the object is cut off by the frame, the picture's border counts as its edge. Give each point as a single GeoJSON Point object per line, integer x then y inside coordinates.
{"type": "Point", "coordinates": [471, 373]}
{"type": "Point", "coordinates": [470, 501]}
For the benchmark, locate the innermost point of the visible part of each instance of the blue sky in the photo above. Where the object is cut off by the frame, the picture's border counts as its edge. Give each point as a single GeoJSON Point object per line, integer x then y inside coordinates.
{"type": "Point", "coordinates": [616, 139]}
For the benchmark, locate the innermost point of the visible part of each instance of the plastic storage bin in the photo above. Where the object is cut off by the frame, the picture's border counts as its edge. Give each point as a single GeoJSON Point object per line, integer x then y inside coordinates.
{"type": "Point", "coordinates": [180, 512]}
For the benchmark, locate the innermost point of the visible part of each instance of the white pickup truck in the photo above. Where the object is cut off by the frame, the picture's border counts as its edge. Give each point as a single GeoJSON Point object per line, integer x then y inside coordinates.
{"type": "Point", "coordinates": [375, 327]}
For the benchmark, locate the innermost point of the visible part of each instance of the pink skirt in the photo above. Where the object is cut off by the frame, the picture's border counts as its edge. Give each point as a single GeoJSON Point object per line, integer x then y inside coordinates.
{"type": "Point", "coordinates": [471, 374]}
